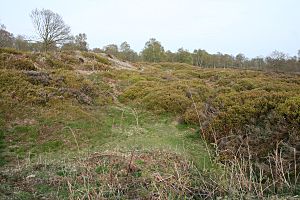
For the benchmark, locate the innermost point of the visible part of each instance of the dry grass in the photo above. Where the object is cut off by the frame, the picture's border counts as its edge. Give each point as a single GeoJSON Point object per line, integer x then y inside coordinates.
{"type": "Point", "coordinates": [107, 175]}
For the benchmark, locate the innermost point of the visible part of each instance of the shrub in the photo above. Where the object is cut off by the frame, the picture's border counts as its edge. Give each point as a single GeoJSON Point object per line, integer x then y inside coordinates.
{"type": "Point", "coordinates": [69, 58]}
{"type": "Point", "coordinates": [166, 96]}
{"type": "Point", "coordinates": [187, 74]}
{"type": "Point", "coordinates": [16, 63]}
{"type": "Point", "coordinates": [166, 100]}
{"type": "Point", "coordinates": [195, 114]}
{"type": "Point", "coordinates": [3, 59]}
{"type": "Point", "coordinates": [194, 89]}
{"type": "Point", "coordinates": [94, 66]}
{"type": "Point", "coordinates": [103, 60]}
{"type": "Point", "coordinates": [138, 91]}
{"type": "Point", "coordinates": [55, 63]}
{"type": "Point", "coordinates": [174, 66]}
{"type": "Point", "coordinates": [96, 57]}
{"type": "Point", "coordinates": [16, 88]}
{"type": "Point", "coordinates": [10, 51]}
{"type": "Point", "coordinates": [243, 85]}
{"type": "Point", "coordinates": [290, 109]}
{"type": "Point", "coordinates": [235, 110]}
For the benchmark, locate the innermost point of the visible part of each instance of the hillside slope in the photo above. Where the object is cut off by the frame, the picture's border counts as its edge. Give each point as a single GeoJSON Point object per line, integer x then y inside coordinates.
{"type": "Point", "coordinates": [86, 125]}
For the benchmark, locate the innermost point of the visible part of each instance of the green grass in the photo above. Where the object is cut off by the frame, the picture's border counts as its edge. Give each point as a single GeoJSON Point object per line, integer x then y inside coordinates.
{"type": "Point", "coordinates": [108, 128]}
{"type": "Point", "coordinates": [2, 147]}
{"type": "Point", "coordinates": [116, 128]}
{"type": "Point", "coordinates": [152, 133]}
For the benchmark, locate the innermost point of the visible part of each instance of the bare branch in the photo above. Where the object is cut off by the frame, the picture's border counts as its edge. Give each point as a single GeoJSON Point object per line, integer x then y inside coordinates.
{"type": "Point", "coordinates": [50, 27]}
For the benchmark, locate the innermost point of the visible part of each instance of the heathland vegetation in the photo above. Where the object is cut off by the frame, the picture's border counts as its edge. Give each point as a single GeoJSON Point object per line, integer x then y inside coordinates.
{"type": "Point", "coordinates": [114, 124]}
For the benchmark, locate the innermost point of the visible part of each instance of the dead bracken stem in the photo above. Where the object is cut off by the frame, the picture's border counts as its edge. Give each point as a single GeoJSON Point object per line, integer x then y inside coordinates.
{"type": "Point", "coordinates": [121, 123]}
{"type": "Point", "coordinates": [196, 109]}
{"type": "Point", "coordinates": [74, 136]}
{"type": "Point", "coordinates": [296, 176]}
{"type": "Point", "coordinates": [200, 125]}
{"type": "Point", "coordinates": [136, 116]}
{"type": "Point", "coordinates": [129, 168]}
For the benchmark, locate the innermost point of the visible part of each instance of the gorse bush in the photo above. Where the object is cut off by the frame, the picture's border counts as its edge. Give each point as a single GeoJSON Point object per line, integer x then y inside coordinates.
{"type": "Point", "coordinates": [166, 100]}
{"type": "Point", "coordinates": [94, 66]}
{"type": "Point", "coordinates": [40, 88]}
{"type": "Point", "coordinates": [56, 64]}
{"type": "Point", "coordinates": [22, 64]}
{"type": "Point", "coordinates": [19, 62]}
{"type": "Point", "coordinates": [65, 60]}
{"type": "Point", "coordinates": [174, 97]}
{"type": "Point", "coordinates": [290, 110]}
{"type": "Point", "coordinates": [69, 58]}
{"type": "Point", "coordinates": [16, 89]}
{"type": "Point", "coordinates": [96, 57]}
{"type": "Point", "coordinates": [10, 51]}
{"type": "Point", "coordinates": [173, 66]}
{"type": "Point", "coordinates": [195, 114]}
{"type": "Point", "coordinates": [235, 110]}
{"type": "Point", "coordinates": [139, 90]}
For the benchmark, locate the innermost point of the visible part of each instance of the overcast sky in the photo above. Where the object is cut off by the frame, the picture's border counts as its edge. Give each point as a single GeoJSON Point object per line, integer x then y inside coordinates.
{"type": "Point", "coordinates": [252, 27]}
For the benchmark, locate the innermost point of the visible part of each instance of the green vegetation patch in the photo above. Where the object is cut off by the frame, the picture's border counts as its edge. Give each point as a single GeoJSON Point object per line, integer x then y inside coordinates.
{"type": "Point", "coordinates": [290, 109]}
{"type": "Point", "coordinates": [174, 97]}
{"type": "Point", "coordinates": [10, 51]}
{"type": "Point", "coordinates": [96, 57]}
{"type": "Point", "coordinates": [18, 62]}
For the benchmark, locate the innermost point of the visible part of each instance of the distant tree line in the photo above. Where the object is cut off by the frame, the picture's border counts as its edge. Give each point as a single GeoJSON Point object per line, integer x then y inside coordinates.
{"type": "Point", "coordinates": [154, 52]}
{"type": "Point", "coordinates": [53, 34]}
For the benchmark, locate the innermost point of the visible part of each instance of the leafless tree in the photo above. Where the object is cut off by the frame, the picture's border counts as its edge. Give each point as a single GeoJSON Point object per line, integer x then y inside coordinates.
{"type": "Point", "coordinates": [50, 27]}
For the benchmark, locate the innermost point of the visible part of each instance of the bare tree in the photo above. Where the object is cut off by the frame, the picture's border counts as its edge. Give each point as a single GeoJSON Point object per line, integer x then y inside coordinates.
{"type": "Point", "coordinates": [50, 27]}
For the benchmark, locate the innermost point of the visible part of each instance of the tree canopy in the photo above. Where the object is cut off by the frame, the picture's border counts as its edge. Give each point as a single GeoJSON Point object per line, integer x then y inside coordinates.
{"type": "Point", "coordinates": [153, 51]}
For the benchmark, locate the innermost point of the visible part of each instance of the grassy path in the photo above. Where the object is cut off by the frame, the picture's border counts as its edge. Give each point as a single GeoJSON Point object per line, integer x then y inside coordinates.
{"type": "Point", "coordinates": [144, 131]}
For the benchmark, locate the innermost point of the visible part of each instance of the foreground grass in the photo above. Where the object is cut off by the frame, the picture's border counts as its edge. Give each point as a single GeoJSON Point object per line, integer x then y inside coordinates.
{"type": "Point", "coordinates": [130, 154]}
{"type": "Point", "coordinates": [124, 153]}
{"type": "Point", "coordinates": [106, 175]}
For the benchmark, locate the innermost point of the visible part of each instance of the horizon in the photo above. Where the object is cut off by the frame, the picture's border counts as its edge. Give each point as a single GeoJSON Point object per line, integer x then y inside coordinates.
{"type": "Point", "coordinates": [253, 28]}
